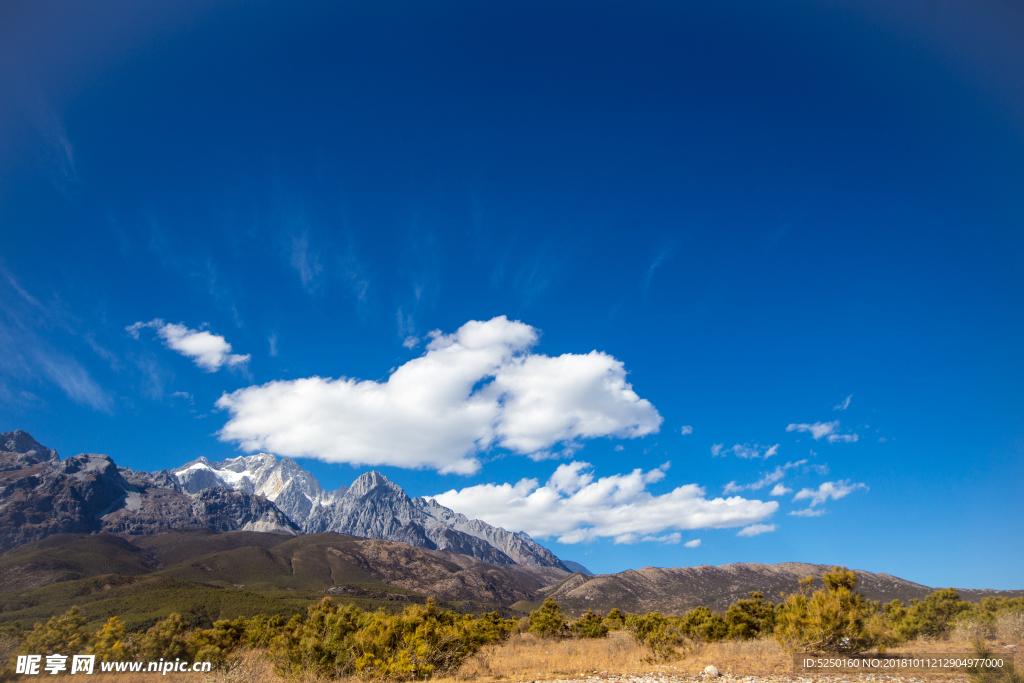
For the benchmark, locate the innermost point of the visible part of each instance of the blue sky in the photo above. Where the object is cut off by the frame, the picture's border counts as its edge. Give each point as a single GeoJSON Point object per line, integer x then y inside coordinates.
{"type": "Point", "coordinates": [790, 229]}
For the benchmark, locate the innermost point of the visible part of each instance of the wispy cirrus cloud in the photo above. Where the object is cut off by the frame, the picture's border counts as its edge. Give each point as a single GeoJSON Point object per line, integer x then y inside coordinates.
{"type": "Point", "coordinates": [744, 450]}
{"type": "Point", "coordinates": [27, 354]}
{"type": "Point", "coordinates": [662, 256]}
{"type": "Point", "coordinates": [695, 543]}
{"type": "Point", "coordinates": [574, 507]}
{"type": "Point", "coordinates": [833, 490]}
{"type": "Point", "coordinates": [208, 351]}
{"type": "Point", "coordinates": [826, 430]}
{"type": "Point", "coordinates": [306, 261]}
{"type": "Point", "coordinates": [844, 404]}
{"type": "Point", "coordinates": [808, 512]}
{"type": "Point", "coordinates": [756, 530]}
{"type": "Point", "coordinates": [768, 478]}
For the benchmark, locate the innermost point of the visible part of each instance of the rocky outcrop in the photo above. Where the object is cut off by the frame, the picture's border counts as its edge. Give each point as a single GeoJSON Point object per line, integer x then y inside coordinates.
{"type": "Point", "coordinates": [89, 493]}
{"type": "Point", "coordinates": [292, 489]}
{"type": "Point", "coordinates": [518, 546]}
{"type": "Point", "coordinates": [376, 507]}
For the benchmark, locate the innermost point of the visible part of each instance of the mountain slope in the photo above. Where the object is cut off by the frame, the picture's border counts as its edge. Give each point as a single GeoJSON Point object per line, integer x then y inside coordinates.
{"type": "Point", "coordinates": [292, 489]}
{"type": "Point", "coordinates": [40, 495]}
{"type": "Point", "coordinates": [207, 576]}
{"type": "Point", "coordinates": [677, 590]}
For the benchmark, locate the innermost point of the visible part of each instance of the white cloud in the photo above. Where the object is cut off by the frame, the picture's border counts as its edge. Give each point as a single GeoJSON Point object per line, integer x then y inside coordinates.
{"type": "Point", "coordinates": [768, 478]}
{"type": "Point", "coordinates": [209, 351]}
{"type": "Point", "coordinates": [27, 330]}
{"type": "Point", "coordinates": [780, 490]}
{"type": "Point", "coordinates": [472, 390]}
{"type": "Point", "coordinates": [756, 530]}
{"type": "Point", "coordinates": [823, 429]}
{"type": "Point", "coordinates": [844, 404]}
{"type": "Point", "coordinates": [695, 543]}
{"type": "Point", "coordinates": [575, 508]}
{"type": "Point", "coordinates": [809, 512]}
{"type": "Point", "coordinates": [619, 448]}
{"type": "Point", "coordinates": [272, 339]}
{"type": "Point", "coordinates": [305, 261]}
{"type": "Point", "coordinates": [184, 395]}
{"type": "Point", "coordinates": [830, 489]}
{"type": "Point", "coordinates": [666, 539]}
{"type": "Point", "coordinates": [411, 342]}
{"type": "Point", "coordinates": [745, 450]}
{"type": "Point", "coordinates": [687, 429]}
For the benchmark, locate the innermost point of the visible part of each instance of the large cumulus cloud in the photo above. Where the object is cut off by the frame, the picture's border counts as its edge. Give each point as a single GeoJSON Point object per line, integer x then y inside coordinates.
{"type": "Point", "coordinates": [471, 390]}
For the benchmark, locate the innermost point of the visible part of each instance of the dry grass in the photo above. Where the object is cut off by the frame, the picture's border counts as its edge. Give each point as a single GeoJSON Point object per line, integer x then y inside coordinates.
{"type": "Point", "coordinates": [250, 665]}
{"type": "Point", "coordinates": [1010, 627]}
{"type": "Point", "coordinates": [967, 632]}
{"type": "Point", "coordinates": [526, 657]}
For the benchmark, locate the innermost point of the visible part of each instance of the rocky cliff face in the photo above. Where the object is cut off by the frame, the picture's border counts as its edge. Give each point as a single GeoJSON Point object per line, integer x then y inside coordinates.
{"type": "Point", "coordinates": [375, 507]}
{"type": "Point", "coordinates": [518, 546]}
{"type": "Point", "coordinates": [40, 495]}
{"type": "Point", "coordinates": [292, 489]}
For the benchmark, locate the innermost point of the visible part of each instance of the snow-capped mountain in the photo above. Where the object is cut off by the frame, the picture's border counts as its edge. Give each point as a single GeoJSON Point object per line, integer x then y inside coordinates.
{"type": "Point", "coordinates": [292, 489]}
{"type": "Point", "coordinates": [373, 507]}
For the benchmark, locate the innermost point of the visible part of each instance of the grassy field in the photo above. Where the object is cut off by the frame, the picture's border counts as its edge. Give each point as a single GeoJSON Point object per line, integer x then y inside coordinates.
{"type": "Point", "coordinates": [527, 658]}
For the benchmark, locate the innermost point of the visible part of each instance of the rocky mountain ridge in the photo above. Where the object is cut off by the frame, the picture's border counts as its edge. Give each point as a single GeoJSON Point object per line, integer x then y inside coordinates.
{"type": "Point", "coordinates": [372, 507]}
{"type": "Point", "coordinates": [41, 495]}
{"type": "Point", "coordinates": [295, 492]}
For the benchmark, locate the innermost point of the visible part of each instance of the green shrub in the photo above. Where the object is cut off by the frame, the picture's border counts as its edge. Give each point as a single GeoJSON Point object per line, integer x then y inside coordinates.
{"type": "Point", "coordinates": [112, 644]}
{"type": "Point", "coordinates": [703, 624]}
{"type": "Point", "coordinates": [750, 618]}
{"type": "Point", "coordinates": [615, 620]}
{"type": "Point", "coordinates": [215, 644]}
{"type": "Point", "coordinates": [548, 621]}
{"type": "Point", "coordinates": [335, 642]}
{"type": "Point", "coordinates": [60, 635]}
{"type": "Point", "coordinates": [828, 621]}
{"type": "Point", "coordinates": [167, 639]}
{"type": "Point", "coordinates": [935, 615]}
{"type": "Point", "coordinates": [590, 625]}
{"type": "Point", "coordinates": [661, 635]}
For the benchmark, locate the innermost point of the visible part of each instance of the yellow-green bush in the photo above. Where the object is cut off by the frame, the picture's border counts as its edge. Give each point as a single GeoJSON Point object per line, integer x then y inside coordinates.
{"type": "Point", "coordinates": [701, 623]}
{"type": "Point", "coordinates": [615, 620]}
{"type": "Point", "coordinates": [62, 635]}
{"type": "Point", "coordinates": [112, 644]}
{"type": "Point", "coordinates": [832, 620]}
{"type": "Point", "coordinates": [548, 621]}
{"type": "Point", "coordinates": [342, 641]}
{"type": "Point", "coordinates": [750, 618]}
{"type": "Point", "coordinates": [658, 633]}
{"type": "Point", "coordinates": [590, 625]}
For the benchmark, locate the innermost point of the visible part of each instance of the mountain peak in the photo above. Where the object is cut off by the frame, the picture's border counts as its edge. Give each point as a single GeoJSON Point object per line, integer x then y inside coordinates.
{"type": "Point", "coordinates": [20, 441]}
{"type": "Point", "coordinates": [372, 480]}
